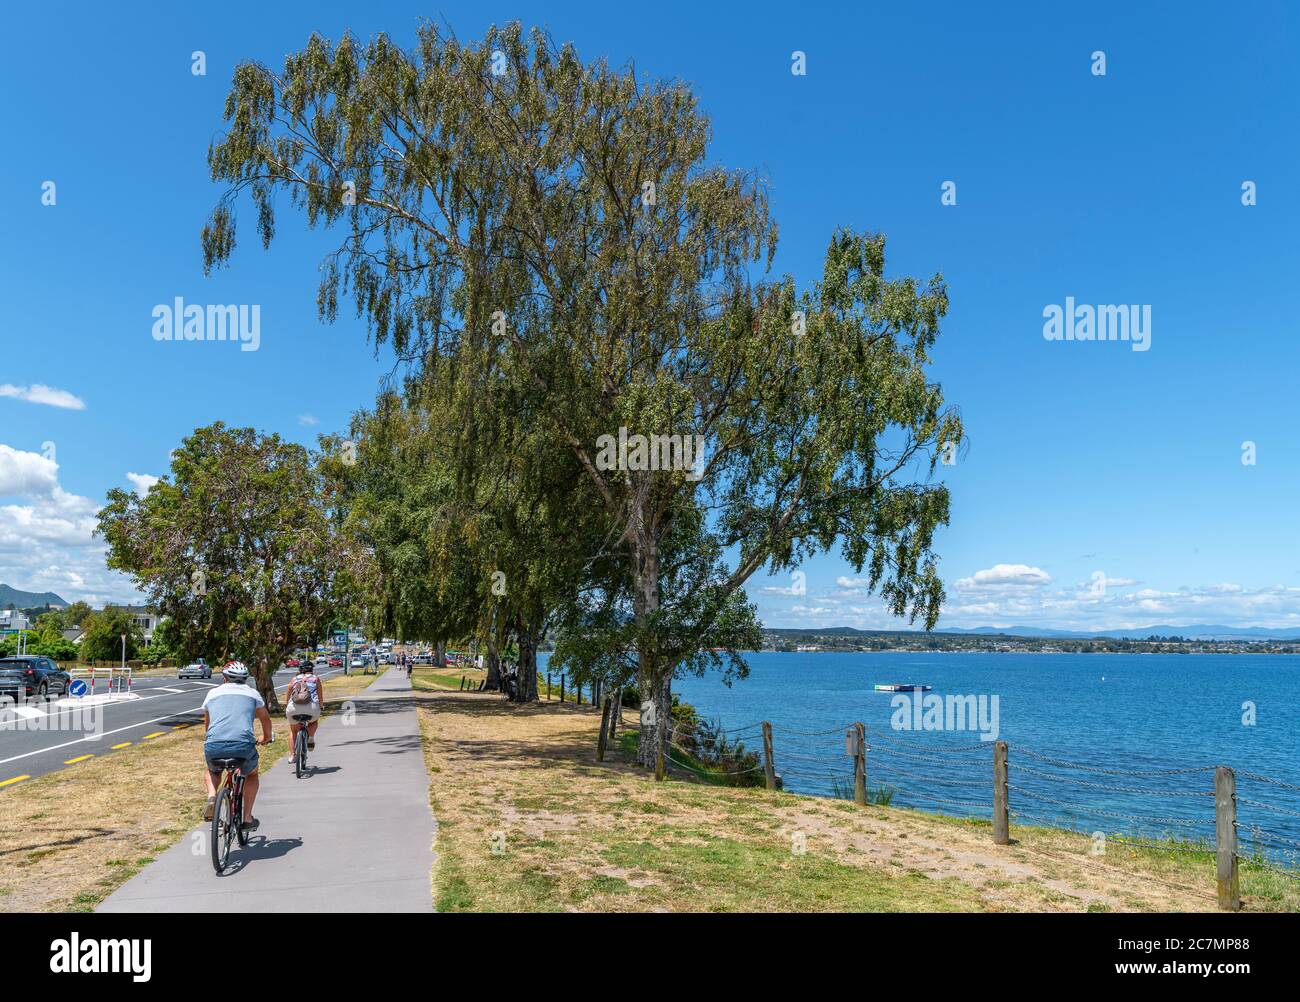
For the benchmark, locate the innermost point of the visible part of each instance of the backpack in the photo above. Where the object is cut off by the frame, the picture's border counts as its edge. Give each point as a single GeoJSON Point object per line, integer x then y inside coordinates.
{"type": "Point", "coordinates": [300, 691]}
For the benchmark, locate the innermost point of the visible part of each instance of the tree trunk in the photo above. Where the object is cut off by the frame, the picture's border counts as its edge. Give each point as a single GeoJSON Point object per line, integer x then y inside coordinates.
{"type": "Point", "coordinates": [654, 736]}
{"type": "Point", "coordinates": [440, 654]}
{"type": "Point", "coordinates": [493, 663]}
{"type": "Point", "coordinates": [526, 673]}
{"type": "Point", "coordinates": [264, 677]}
{"type": "Point", "coordinates": [655, 686]}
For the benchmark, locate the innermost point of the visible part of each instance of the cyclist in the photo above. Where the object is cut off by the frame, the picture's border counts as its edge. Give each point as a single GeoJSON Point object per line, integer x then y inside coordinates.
{"type": "Point", "coordinates": [228, 714]}
{"type": "Point", "coordinates": [306, 693]}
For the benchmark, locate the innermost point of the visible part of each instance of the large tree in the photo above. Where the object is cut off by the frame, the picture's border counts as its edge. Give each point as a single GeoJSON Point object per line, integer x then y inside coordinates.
{"type": "Point", "coordinates": [236, 546]}
{"type": "Point", "coordinates": [515, 211]}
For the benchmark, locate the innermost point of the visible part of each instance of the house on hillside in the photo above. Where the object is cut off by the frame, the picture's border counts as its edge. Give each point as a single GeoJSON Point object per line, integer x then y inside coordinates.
{"type": "Point", "coordinates": [144, 617]}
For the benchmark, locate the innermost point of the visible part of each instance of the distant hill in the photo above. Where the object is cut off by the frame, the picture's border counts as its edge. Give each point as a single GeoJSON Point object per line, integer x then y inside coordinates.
{"type": "Point", "coordinates": [1198, 631]}
{"type": "Point", "coordinates": [28, 599]}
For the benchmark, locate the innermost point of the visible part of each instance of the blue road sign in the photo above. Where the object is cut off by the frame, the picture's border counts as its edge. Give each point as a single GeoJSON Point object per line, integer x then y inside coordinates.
{"type": "Point", "coordinates": [78, 687]}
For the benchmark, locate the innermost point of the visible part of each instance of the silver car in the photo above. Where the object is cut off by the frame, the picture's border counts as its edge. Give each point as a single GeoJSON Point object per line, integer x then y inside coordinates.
{"type": "Point", "coordinates": [196, 669]}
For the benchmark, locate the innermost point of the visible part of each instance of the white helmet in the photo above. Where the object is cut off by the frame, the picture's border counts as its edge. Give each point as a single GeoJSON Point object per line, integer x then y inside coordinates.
{"type": "Point", "coordinates": [235, 671]}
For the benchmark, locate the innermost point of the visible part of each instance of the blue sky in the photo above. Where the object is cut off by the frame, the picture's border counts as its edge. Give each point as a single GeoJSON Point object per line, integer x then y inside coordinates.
{"type": "Point", "coordinates": [1103, 487]}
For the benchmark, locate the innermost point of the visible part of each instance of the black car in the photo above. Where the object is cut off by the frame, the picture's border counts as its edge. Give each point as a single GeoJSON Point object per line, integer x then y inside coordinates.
{"type": "Point", "coordinates": [32, 675]}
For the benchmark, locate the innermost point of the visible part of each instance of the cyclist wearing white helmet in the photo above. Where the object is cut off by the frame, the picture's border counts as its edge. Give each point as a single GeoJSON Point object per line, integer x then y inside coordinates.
{"type": "Point", "coordinates": [228, 714]}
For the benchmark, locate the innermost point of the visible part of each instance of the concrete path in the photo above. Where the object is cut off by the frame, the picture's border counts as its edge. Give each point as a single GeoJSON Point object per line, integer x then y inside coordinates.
{"type": "Point", "coordinates": [354, 834]}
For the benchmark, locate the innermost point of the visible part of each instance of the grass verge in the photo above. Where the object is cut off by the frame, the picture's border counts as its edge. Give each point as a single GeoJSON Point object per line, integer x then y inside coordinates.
{"type": "Point", "coordinates": [529, 821]}
{"type": "Point", "coordinates": [69, 838]}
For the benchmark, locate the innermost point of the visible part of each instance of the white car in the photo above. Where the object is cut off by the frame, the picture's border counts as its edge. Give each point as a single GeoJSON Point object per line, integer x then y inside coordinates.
{"type": "Point", "coordinates": [358, 662]}
{"type": "Point", "coordinates": [196, 669]}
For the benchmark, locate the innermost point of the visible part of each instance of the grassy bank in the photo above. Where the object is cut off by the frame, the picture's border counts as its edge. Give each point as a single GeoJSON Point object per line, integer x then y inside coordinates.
{"type": "Point", "coordinates": [69, 838]}
{"type": "Point", "coordinates": [528, 820]}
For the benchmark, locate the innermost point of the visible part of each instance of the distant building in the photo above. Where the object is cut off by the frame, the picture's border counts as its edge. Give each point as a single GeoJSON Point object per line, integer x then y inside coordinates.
{"type": "Point", "coordinates": [12, 619]}
{"type": "Point", "coordinates": [145, 618]}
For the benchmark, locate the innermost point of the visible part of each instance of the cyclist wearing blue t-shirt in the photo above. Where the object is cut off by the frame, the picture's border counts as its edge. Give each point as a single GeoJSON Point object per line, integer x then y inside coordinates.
{"type": "Point", "coordinates": [228, 714]}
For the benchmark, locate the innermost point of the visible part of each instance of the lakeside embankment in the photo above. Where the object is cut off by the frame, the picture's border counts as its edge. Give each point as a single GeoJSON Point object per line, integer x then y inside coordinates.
{"type": "Point", "coordinates": [529, 821]}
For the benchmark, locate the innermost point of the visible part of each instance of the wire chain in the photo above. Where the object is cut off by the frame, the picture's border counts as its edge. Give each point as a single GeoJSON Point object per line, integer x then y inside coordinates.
{"type": "Point", "coordinates": [1112, 772]}
{"type": "Point", "coordinates": [1113, 789]}
{"type": "Point", "coordinates": [1109, 814]}
{"type": "Point", "coordinates": [1268, 779]}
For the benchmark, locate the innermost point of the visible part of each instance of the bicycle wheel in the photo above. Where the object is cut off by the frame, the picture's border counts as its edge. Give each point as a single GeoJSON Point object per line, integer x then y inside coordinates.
{"type": "Point", "coordinates": [223, 820]}
{"type": "Point", "coordinates": [300, 752]}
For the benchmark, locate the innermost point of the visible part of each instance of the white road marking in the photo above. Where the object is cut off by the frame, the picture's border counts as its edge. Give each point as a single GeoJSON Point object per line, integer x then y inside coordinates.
{"type": "Point", "coordinates": [142, 723]}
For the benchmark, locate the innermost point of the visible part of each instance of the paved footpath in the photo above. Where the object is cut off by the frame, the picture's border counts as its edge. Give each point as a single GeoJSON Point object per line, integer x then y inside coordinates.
{"type": "Point", "coordinates": [354, 834]}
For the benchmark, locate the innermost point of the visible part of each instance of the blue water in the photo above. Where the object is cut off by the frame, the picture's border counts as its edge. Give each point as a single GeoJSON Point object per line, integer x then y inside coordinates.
{"type": "Point", "coordinates": [1136, 713]}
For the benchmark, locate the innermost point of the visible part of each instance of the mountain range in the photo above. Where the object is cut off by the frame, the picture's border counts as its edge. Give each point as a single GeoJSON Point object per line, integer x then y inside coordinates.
{"type": "Point", "coordinates": [1196, 631]}
{"type": "Point", "coordinates": [20, 599]}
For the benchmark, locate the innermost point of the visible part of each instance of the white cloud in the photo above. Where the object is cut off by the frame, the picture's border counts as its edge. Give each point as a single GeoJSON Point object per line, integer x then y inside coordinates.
{"type": "Point", "coordinates": [46, 536]}
{"type": "Point", "coordinates": [142, 481]}
{"type": "Point", "coordinates": [39, 393]}
{"type": "Point", "coordinates": [1003, 575]}
{"type": "Point", "coordinates": [308, 420]}
{"type": "Point", "coordinates": [26, 474]}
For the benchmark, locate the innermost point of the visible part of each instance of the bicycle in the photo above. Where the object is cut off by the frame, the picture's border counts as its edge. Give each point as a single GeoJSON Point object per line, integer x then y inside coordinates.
{"type": "Point", "coordinates": [300, 744]}
{"type": "Point", "coordinates": [229, 806]}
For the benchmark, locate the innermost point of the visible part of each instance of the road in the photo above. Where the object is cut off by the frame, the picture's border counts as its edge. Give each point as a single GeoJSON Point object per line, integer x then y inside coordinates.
{"type": "Point", "coordinates": [53, 737]}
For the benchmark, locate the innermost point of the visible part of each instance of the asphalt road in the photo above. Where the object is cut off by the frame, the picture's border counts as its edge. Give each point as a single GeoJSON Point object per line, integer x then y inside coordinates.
{"type": "Point", "coordinates": [36, 739]}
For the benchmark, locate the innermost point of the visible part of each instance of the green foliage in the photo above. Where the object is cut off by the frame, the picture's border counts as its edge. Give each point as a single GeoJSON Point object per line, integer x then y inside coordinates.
{"type": "Point", "coordinates": [553, 253]}
{"type": "Point", "coordinates": [237, 547]}
{"type": "Point", "coordinates": [103, 637]}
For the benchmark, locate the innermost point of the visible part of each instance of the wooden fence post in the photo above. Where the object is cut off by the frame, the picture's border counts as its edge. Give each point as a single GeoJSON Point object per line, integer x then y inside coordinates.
{"type": "Point", "coordinates": [561, 687]}
{"type": "Point", "coordinates": [548, 687]}
{"type": "Point", "coordinates": [860, 764]}
{"type": "Point", "coordinates": [769, 764]}
{"type": "Point", "coordinates": [1001, 824]}
{"type": "Point", "coordinates": [1225, 837]}
{"type": "Point", "coordinates": [661, 741]}
{"type": "Point", "coordinates": [604, 731]}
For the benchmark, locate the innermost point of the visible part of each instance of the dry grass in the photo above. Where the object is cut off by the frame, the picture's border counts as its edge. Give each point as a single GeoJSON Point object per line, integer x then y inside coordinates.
{"type": "Point", "coordinates": [528, 820]}
{"type": "Point", "coordinates": [70, 837]}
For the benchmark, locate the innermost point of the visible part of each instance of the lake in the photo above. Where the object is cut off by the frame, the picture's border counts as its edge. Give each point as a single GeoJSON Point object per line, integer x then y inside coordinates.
{"type": "Point", "coordinates": [1114, 714]}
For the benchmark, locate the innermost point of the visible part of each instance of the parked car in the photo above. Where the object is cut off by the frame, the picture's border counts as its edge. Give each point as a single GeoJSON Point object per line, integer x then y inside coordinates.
{"type": "Point", "coordinates": [32, 675]}
{"type": "Point", "coordinates": [358, 662]}
{"type": "Point", "coordinates": [198, 668]}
